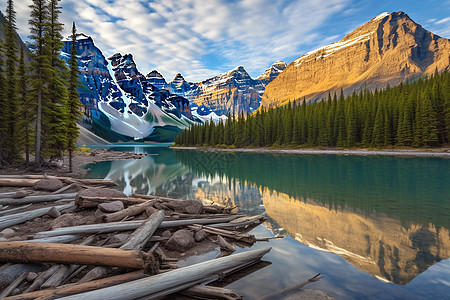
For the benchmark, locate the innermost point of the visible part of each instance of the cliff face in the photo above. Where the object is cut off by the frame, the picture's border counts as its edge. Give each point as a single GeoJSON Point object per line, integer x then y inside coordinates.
{"type": "Point", "coordinates": [376, 244]}
{"type": "Point", "coordinates": [233, 92]}
{"type": "Point", "coordinates": [120, 104]}
{"type": "Point", "coordinates": [389, 49]}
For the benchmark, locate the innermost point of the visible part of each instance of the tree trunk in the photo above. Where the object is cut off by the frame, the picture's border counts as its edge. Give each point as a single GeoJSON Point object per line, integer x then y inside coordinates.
{"type": "Point", "coordinates": [70, 158]}
{"type": "Point", "coordinates": [71, 289]}
{"type": "Point", "coordinates": [73, 254]}
{"type": "Point", "coordinates": [123, 226]}
{"type": "Point", "coordinates": [129, 212]}
{"type": "Point", "coordinates": [173, 280]}
{"type": "Point", "coordinates": [37, 198]}
{"type": "Point", "coordinates": [37, 159]}
{"type": "Point", "coordinates": [139, 237]}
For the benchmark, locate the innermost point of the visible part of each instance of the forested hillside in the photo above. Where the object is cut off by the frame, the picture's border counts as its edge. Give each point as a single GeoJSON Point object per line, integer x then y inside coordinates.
{"type": "Point", "coordinates": [412, 114]}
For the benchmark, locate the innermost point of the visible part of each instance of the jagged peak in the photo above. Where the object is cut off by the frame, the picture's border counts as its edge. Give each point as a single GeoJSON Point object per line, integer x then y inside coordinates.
{"type": "Point", "coordinates": [380, 16]}
{"type": "Point", "coordinates": [154, 73]}
{"type": "Point", "coordinates": [80, 36]}
{"type": "Point", "coordinates": [178, 78]}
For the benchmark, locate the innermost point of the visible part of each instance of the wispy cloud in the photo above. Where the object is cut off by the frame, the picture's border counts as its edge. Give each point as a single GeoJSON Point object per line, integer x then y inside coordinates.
{"type": "Point", "coordinates": [182, 35]}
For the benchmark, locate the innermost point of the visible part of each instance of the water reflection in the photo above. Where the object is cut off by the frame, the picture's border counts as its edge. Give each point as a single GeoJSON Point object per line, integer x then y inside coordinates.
{"type": "Point", "coordinates": [389, 217]}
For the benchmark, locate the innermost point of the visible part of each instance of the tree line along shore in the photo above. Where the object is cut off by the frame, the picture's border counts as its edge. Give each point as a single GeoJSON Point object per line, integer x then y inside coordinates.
{"type": "Point", "coordinates": [415, 114]}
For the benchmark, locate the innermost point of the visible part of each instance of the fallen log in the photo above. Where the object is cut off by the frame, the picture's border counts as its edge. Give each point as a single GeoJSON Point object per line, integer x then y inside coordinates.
{"type": "Point", "coordinates": [124, 226]}
{"type": "Point", "coordinates": [89, 201]}
{"type": "Point", "coordinates": [243, 237]}
{"type": "Point", "coordinates": [13, 285]}
{"type": "Point", "coordinates": [135, 241]}
{"type": "Point", "coordinates": [148, 287]}
{"type": "Point", "coordinates": [62, 239]}
{"type": "Point", "coordinates": [210, 292]}
{"type": "Point", "coordinates": [71, 289]}
{"type": "Point", "coordinates": [41, 279]}
{"type": "Point", "coordinates": [128, 212]}
{"type": "Point", "coordinates": [10, 220]}
{"type": "Point", "coordinates": [36, 199]}
{"type": "Point", "coordinates": [4, 212]}
{"type": "Point", "coordinates": [18, 182]}
{"type": "Point", "coordinates": [140, 236]}
{"type": "Point", "coordinates": [224, 245]}
{"type": "Point", "coordinates": [73, 254]}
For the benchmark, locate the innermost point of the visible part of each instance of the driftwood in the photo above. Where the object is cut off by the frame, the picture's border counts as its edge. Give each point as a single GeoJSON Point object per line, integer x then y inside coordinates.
{"type": "Point", "coordinates": [18, 182]}
{"type": "Point", "coordinates": [243, 237]}
{"type": "Point", "coordinates": [124, 226]}
{"type": "Point", "coordinates": [36, 199]}
{"type": "Point", "coordinates": [135, 241]}
{"type": "Point", "coordinates": [139, 237]}
{"type": "Point", "coordinates": [63, 189]}
{"type": "Point", "coordinates": [74, 254]}
{"type": "Point", "coordinates": [176, 279]}
{"type": "Point", "coordinates": [224, 245]}
{"type": "Point", "coordinates": [129, 212]}
{"type": "Point", "coordinates": [13, 285]}
{"type": "Point", "coordinates": [210, 292]}
{"type": "Point", "coordinates": [41, 279]}
{"type": "Point", "coordinates": [298, 286]}
{"type": "Point", "coordinates": [4, 212]}
{"type": "Point", "coordinates": [10, 220]}
{"type": "Point", "coordinates": [87, 202]}
{"type": "Point", "coordinates": [62, 239]}
{"type": "Point", "coordinates": [71, 289]}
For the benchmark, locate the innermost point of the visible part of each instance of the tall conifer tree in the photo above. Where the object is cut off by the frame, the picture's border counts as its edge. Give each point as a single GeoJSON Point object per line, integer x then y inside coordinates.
{"type": "Point", "coordinates": [74, 99]}
{"type": "Point", "coordinates": [40, 65]}
{"type": "Point", "coordinates": [10, 142]}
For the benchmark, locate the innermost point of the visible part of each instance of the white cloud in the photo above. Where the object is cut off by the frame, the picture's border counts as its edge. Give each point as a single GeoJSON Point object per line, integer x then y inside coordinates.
{"type": "Point", "coordinates": [177, 35]}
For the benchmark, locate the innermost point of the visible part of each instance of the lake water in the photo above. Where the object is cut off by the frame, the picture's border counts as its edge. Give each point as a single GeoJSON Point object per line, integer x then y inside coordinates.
{"type": "Point", "coordinates": [375, 227]}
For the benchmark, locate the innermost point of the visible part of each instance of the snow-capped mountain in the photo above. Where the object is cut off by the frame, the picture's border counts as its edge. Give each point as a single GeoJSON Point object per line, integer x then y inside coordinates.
{"type": "Point", "coordinates": [388, 49]}
{"type": "Point", "coordinates": [120, 104]}
{"type": "Point", "coordinates": [233, 92]}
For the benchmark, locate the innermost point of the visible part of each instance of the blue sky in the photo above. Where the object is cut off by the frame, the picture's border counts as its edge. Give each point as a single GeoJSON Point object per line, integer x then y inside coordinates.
{"type": "Point", "coordinates": [203, 38]}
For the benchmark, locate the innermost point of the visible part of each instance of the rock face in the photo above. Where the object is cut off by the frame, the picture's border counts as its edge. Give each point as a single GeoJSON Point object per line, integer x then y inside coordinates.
{"type": "Point", "coordinates": [233, 92]}
{"type": "Point", "coordinates": [389, 49]}
{"type": "Point", "coordinates": [121, 104]}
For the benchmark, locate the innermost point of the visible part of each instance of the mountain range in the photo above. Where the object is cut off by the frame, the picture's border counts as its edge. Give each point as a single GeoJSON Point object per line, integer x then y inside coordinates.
{"type": "Point", "coordinates": [122, 104]}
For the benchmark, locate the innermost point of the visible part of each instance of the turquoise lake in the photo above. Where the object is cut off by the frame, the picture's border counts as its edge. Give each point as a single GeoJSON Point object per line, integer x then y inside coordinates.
{"type": "Point", "coordinates": [376, 227]}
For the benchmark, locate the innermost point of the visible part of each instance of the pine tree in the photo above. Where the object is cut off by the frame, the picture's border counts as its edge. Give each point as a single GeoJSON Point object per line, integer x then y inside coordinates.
{"type": "Point", "coordinates": [26, 109]}
{"type": "Point", "coordinates": [55, 109]}
{"type": "Point", "coordinates": [2, 112]}
{"type": "Point", "coordinates": [39, 65]}
{"type": "Point", "coordinates": [73, 103]}
{"type": "Point", "coordinates": [10, 142]}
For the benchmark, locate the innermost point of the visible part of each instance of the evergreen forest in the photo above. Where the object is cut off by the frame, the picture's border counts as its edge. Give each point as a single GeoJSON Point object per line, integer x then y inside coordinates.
{"type": "Point", "coordinates": [414, 114]}
{"type": "Point", "coordinates": [39, 104]}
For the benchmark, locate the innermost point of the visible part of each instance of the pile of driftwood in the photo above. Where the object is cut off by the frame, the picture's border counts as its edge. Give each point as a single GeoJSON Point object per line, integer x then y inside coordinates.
{"type": "Point", "coordinates": [77, 239]}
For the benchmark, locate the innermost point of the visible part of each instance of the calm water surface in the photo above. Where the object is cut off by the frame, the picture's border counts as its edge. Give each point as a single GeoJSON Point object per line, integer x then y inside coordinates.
{"type": "Point", "coordinates": [375, 227]}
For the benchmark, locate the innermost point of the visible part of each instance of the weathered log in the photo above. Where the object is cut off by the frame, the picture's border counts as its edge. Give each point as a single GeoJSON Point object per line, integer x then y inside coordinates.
{"type": "Point", "coordinates": [10, 220]}
{"type": "Point", "coordinates": [224, 245]}
{"type": "Point", "coordinates": [128, 212]}
{"type": "Point", "coordinates": [124, 226]}
{"type": "Point", "coordinates": [36, 199]}
{"type": "Point", "coordinates": [173, 279]}
{"type": "Point", "coordinates": [4, 212]}
{"type": "Point", "coordinates": [62, 239]}
{"type": "Point", "coordinates": [74, 254]}
{"type": "Point", "coordinates": [140, 236]}
{"type": "Point", "coordinates": [246, 238]}
{"type": "Point", "coordinates": [63, 189]}
{"type": "Point", "coordinates": [57, 277]}
{"type": "Point", "coordinates": [13, 285]}
{"type": "Point", "coordinates": [210, 292]}
{"type": "Point", "coordinates": [41, 279]}
{"type": "Point", "coordinates": [87, 202]}
{"type": "Point", "coordinates": [71, 289]}
{"type": "Point", "coordinates": [18, 182]}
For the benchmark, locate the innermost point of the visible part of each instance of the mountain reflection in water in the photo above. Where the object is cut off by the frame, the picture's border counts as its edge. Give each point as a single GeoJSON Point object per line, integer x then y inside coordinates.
{"type": "Point", "coordinates": [387, 216]}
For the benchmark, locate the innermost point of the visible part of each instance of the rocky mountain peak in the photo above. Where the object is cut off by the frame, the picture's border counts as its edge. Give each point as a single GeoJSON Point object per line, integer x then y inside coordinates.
{"type": "Point", "coordinates": [178, 80]}
{"type": "Point", "coordinates": [154, 74]}
{"type": "Point", "coordinates": [388, 49]}
{"type": "Point", "coordinates": [271, 73]}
